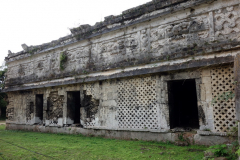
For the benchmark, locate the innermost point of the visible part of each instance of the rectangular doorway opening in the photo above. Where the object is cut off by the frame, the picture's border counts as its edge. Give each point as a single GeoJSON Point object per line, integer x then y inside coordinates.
{"type": "Point", "coordinates": [183, 109]}
{"type": "Point", "coordinates": [73, 107]}
{"type": "Point", "coordinates": [39, 106]}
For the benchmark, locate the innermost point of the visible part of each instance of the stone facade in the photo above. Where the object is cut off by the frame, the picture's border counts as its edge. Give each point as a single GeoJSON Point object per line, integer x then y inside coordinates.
{"type": "Point", "coordinates": [119, 75]}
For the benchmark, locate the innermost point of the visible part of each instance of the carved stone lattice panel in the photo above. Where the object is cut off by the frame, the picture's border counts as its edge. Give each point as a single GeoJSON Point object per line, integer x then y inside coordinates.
{"type": "Point", "coordinates": [222, 83]}
{"type": "Point", "coordinates": [90, 90]}
{"type": "Point", "coordinates": [54, 107]}
{"type": "Point", "coordinates": [137, 103]}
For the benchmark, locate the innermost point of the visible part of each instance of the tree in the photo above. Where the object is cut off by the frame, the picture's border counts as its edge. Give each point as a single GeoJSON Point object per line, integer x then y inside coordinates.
{"type": "Point", "coordinates": [3, 96]}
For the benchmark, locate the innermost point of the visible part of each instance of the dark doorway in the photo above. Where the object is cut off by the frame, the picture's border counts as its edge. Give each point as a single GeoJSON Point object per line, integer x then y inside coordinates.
{"type": "Point", "coordinates": [182, 96]}
{"type": "Point", "coordinates": [39, 106]}
{"type": "Point", "coordinates": [73, 107]}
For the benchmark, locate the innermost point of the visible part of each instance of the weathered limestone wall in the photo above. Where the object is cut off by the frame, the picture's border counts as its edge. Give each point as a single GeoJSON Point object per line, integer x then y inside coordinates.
{"type": "Point", "coordinates": [136, 103]}
{"type": "Point", "coordinates": [194, 31]}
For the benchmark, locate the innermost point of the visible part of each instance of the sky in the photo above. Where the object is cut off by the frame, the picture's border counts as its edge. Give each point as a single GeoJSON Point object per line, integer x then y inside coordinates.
{"type": "Point", "coordinates": [35, 22]}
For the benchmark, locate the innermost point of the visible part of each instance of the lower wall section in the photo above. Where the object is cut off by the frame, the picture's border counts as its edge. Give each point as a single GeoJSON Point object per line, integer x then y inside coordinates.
{"type": "Point", "coordinates": [194, 98]}
{"type": "Point", "coordinates": [119, 134]}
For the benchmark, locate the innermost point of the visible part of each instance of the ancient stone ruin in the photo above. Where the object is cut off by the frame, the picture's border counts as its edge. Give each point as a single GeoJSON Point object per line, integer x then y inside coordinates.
{"type": "Point", "coordinates": [159, 69]}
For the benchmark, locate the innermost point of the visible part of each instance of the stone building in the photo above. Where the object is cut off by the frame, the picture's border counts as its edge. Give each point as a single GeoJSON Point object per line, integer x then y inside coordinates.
{"type": "Point", "coordinates": [151, 73]}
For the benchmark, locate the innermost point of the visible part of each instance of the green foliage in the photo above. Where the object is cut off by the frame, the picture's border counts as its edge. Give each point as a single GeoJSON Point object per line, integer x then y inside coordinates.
{"type": "Point", "coordinates": [230, 152]}
{"type": "Point", "coordinates": [184, 139]}
{"type": "Point", "coordinates": [181, 138]}
{"type": "Point", "coordinates": [206, 43]}
{"type": "Point", "coordinates": [238, 152]}
{"type": "Point", "coordinates": [2, 78]}
{"type": "Point", "coordinates": [65, 146]}
{"type": "Point", "coordinates": [3, 96]}
{"type": "Point", "coordinates": [233, 131]}
{"type": "Point", "coordinates": [207, 129]}
{"type": "Point", "coordinates": [63, 60]}
{"type": "Point", "coordinates": [224, 97]}
{"type": "Point", "coordinates": [167, 58]}
{"type": "Point", "coordinates": [32, 50]}
{"type": "Point", "coordinates": [85, 72]}
{"type": "Point", "coordinates": [219, 150]}
{"type": "Point", "coordinates": [3, 102]}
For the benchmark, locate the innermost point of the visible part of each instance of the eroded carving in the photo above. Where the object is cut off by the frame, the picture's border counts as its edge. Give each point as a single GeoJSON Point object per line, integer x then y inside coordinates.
{"type": "Point", "coordinates": [227, 21]}
{"type": "Point", "coordinates": [132, 44]}
{"type": "Point", "coordinates": [40, 65]}
{"type": "Point", "coordinates": [21, 70]}
{"type": "Point", "coordinates": [10, 114]}
{"type": "Point", "coordinates": [168, 38]}
{"type": "Point", "coordinates": [91, 107]}
{"type": "Point", "coordinates": [144, 40]}
{"type": "Point", "coordinates": [54, 107]}
{"type": "Point", "coordinates": [29, 111]}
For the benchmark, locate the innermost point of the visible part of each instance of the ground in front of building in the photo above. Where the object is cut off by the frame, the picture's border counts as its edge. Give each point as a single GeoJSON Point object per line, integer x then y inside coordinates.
{"type": "Point", "coordinates": [32, 145]}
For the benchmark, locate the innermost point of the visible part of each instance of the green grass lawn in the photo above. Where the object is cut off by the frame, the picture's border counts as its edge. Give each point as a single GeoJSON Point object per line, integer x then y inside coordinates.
{"type": "Point", "coordinates": [61, 146]}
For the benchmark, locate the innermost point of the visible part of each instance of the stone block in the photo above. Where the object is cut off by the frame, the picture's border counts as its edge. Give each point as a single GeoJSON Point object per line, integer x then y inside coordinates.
{"type": "Point", "coordinates": [203, 92]}
{"type": "Point", "coordinates": [104, 97]}
{"type": "Point", "coordinates": [206, 80]}
{"type": "Point", "coordinates": [210, 140]}
{"type": "Point", "coordinates": [209, 113]}
{"type": "Point", "coordinates": [110, 95]}
{"type": "Point", "coordinates": [109, 103]}
{"type": "Point", "coordinates": [208, 90]}
{"type": "Point", "coordinates": [47, 122]}
{"type": "Point", "coordinates": [206, 73]}
{"type": "Point", "coordinates": [60, 122]}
